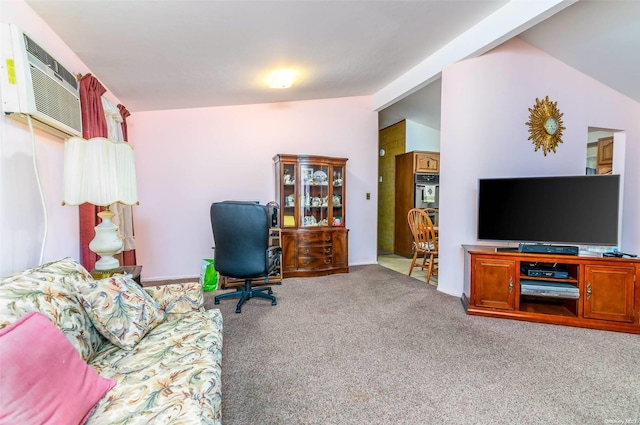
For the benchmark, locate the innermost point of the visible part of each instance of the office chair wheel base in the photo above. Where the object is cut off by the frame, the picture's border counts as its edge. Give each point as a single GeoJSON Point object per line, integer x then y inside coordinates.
{"type": "Point", "coordinates": [274, 302]}
{"type": "Point", "coordinates": [216, 301]}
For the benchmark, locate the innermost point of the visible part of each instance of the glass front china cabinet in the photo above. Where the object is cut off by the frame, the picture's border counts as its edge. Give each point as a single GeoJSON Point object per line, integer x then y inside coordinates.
{"type": "Point", "coordinates": [311, 193]}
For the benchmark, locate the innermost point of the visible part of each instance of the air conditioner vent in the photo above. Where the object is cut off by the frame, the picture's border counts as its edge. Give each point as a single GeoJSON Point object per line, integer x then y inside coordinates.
{"type": "Point", "coordinates": [44, 57]}
{"type": "Point", "coordinates": [54, 101]}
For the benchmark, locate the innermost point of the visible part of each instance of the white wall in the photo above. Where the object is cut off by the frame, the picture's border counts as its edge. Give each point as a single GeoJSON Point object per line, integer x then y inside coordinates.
{"type": "Point", "coordinates": [485, 105]}
{"type": "Point", "coordinates": [22, 216]}
{"type": "Point", "coordinates": [187, 159]}
{"type": "Point", "coordinates": [421, 138]}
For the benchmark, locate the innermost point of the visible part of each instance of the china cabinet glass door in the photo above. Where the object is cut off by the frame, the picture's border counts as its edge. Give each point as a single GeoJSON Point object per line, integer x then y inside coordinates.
{"type": "Point", "coordinates": [314, 195]}
{"type": "Point", "coordinates": [289, 195]}
{"type": "Point", "coordinates": [337, 198]}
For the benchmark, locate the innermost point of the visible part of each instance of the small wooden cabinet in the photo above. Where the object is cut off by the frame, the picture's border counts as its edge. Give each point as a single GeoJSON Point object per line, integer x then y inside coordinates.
{"type": "Point", "coordinates": [495, 283]}
{"type": "Point", "coordinates": [311, 191]}
{"type": "Point", "coordinates": [605, 155]}
{"type": "Point", "coordinates": [608, 292]}
{"type": "Point", "coordinates": [607, 296]}
{"type": "Point", "coordinates": [314, 252]}
{"type": "Point", "coordinates": [427, 162]}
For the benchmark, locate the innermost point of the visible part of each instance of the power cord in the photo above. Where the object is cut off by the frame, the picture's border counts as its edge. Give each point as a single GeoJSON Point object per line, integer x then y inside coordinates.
{"type": "Point", "coordinates": [42, 200]}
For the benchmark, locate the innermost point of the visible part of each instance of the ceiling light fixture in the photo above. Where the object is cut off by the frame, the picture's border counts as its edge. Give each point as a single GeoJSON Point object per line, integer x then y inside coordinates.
{"type": "Point", "coordinates": [281, 79]}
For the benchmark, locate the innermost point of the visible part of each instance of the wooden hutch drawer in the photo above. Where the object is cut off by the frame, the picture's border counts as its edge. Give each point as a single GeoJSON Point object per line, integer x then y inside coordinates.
{"type": "Point", "coordinates": [315, 251]}
{"type": "Point", "coordinates": [312, 238]}
{"type": "Point", "coordinates": [311, 263]}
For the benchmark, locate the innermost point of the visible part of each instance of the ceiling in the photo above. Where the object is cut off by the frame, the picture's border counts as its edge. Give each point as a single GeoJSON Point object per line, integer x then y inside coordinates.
{"type": "Point", "coordinates": [598, 38]}
{"type": "Point", "coordinates": [155, 55]}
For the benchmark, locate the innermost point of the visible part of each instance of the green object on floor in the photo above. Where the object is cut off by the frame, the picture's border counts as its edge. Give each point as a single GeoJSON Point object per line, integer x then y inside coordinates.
{"type": "Point", "coordinates": [208, 275]}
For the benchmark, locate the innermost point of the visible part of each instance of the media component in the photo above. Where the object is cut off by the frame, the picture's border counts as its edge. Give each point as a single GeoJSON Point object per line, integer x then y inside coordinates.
{"type": "Point", "coordinates": [549, 249]}
{"type": "Point", "coordinates": [544, 270]}
{"type": "Point", "coordinates": [549, 289]}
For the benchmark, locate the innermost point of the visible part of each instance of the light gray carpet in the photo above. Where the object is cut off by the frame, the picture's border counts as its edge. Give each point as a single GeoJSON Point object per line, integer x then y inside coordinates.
{"type": "Point", "coordinates": [377, 347]}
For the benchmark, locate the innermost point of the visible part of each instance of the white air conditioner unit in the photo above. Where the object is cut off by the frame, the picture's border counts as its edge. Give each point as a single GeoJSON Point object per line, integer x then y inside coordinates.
{"type": "Point", "coordinates": [35, 84]}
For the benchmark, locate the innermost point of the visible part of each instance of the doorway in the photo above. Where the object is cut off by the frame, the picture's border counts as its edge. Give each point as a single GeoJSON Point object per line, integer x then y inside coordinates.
{"type": "Point", "coordinates": [599, 151]}
{"type": "Point", "coordinates": [393, 144]}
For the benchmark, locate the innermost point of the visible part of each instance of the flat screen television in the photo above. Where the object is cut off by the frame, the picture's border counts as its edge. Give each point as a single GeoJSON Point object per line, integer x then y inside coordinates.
{"type": "Point", "coordinates": [580, 210]}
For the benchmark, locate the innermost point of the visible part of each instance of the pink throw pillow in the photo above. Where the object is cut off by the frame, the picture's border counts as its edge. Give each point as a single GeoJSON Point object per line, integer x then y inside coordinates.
{"type": "Point", "coordinates": [43, 379]}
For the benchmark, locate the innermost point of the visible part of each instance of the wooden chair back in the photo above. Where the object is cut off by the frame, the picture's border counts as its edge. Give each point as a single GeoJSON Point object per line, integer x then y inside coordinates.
{"type": "Point", "coordinates": [433, 214]}
{"type": "Point", "coordinates": [423, 230]}
{"type": "Point", "coordinates": [425, 241]}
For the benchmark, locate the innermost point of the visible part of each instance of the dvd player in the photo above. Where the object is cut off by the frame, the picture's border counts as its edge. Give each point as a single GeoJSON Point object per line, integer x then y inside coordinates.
{"type": "Point", "coordinates": [549, 289]}
{"type": "Point", "coordinates": [548, 249]}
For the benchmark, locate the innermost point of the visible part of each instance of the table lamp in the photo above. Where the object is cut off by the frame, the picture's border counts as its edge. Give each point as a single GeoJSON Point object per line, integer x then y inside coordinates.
{"type": "Point", "coordinates": [101, 172]}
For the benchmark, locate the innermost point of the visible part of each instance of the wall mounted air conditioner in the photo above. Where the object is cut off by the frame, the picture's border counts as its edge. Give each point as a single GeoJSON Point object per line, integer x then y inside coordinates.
{"type": "Point", "coordinates": [36, 84]}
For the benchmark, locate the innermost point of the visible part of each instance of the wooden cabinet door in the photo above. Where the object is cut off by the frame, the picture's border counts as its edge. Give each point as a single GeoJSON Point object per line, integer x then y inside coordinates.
{"type": "Point", "coordinates": [340, 249]}
{"type": "Point", "coordinates": [494, 283]}
{"type": "Point", "coordinates": [289, 252]}
{"type": "Point", "coordinates": [605, 156]}
{"type": "Point", "coordinates": [605, 151]}
{"type": "Point", "coordinates": [608, 293]}
{"type": "Point", "coordinates": [427, 163]}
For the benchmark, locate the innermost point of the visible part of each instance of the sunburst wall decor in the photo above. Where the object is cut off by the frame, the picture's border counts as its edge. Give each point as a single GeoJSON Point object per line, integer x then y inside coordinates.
{"type": "Point", "coordinates": [545, 125]}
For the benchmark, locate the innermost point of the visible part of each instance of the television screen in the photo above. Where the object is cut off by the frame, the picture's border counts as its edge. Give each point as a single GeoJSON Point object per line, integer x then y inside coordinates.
{"type": "Point", "coordinates": [574, 209]}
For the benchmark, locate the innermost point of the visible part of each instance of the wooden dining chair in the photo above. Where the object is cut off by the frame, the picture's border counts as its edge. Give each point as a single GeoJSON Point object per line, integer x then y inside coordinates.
{"type": "Point", "coordinates": [433, 214]}
{"type": "Point", "coordinates": [425, 242]}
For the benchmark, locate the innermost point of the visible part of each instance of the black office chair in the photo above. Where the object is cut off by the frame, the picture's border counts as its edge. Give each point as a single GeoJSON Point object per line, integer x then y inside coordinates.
{"type": "Point", "coordinates": [242, 251]}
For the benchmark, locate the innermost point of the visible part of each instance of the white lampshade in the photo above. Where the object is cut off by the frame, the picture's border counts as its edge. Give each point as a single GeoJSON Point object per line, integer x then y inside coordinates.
{"type": "Point", "coordinates": [99, 171]}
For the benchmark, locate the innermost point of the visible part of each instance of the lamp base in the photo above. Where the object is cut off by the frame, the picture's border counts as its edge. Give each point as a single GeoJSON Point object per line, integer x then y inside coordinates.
{"type": "Point", "coordinates": [106, 243]}
{"type": "Point", "coordinates": [133, 271]}
{"type": "Point", "coordinates": [102, 274]}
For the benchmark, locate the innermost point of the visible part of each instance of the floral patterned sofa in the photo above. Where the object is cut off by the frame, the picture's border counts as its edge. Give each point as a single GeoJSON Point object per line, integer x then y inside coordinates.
{"type": "Point", "coordinates": [156, 350]}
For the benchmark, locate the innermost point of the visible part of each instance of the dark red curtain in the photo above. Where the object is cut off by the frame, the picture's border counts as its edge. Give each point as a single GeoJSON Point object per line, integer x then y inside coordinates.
{"type": "Point", "coordinates": [128, 257]}
{"type": "Point", "coordinates": [124, 113]}
{"type": "Point", "coordinates": [94, 124]}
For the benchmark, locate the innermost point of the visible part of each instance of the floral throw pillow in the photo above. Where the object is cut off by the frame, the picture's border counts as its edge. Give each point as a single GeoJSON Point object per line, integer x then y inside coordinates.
{"type": "Point", "coordinates": [120, 309]}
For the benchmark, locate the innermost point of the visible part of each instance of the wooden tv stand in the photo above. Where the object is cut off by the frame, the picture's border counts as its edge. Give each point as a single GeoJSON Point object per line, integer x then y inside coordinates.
{"type": "Point", "coordinates": [609, 289]}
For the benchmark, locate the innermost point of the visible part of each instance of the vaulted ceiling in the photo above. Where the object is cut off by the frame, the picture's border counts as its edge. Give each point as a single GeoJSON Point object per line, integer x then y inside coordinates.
{"type": "Point", "coordinates": [182, 54]}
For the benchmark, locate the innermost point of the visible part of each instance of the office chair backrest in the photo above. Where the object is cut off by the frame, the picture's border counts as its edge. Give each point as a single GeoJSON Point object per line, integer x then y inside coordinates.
{"type": "Point", "coordinates": [241, 237]}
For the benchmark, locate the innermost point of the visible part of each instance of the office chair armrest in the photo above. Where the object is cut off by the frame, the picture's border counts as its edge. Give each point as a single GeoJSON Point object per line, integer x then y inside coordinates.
{"type": "Point", "coordinates": [178, 298]}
